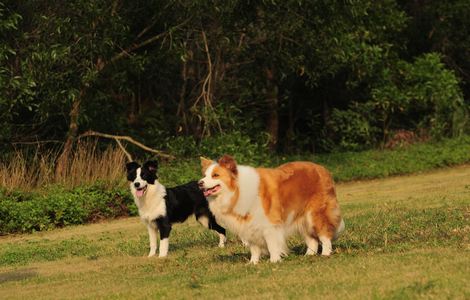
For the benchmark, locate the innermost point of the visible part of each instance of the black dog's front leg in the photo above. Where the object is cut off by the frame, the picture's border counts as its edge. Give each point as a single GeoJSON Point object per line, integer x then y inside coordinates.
{"type": "Point", "coordinates": [207, 219]}
{"type": "Point", "coordinates": [220, 230]}
{"type": "Point", "coordinates": [164, 227]}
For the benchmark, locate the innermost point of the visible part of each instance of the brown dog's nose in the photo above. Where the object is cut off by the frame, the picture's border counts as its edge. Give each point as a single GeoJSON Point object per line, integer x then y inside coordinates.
{"type": "Point", "coordinates": [201, 183]}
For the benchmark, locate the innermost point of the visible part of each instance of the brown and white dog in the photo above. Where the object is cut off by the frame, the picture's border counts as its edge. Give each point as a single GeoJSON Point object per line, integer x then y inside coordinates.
{"type": "Point", "coordinates": [264, 206]}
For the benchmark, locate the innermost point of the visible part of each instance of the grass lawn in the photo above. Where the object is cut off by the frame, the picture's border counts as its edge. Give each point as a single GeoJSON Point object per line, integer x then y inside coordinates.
{"type": "Point", "coordinates": [406, 237]}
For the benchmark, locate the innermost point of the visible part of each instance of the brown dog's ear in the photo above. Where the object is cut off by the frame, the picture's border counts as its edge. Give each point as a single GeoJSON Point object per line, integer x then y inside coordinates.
{"type": "Point", "coordinates": [205, 163]}
{"type": "Point", "coordinates": [227, 162]}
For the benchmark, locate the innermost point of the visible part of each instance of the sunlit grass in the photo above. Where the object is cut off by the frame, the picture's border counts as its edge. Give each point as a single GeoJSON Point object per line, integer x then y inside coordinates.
{"type": "Point", "coordinates": [405, 237]}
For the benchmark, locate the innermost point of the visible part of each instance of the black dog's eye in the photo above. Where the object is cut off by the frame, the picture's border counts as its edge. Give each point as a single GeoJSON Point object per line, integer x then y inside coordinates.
{"type": "Point", "coordinates": [215, 175]}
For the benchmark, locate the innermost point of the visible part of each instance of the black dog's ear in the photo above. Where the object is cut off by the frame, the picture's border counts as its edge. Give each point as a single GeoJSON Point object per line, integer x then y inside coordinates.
{"type": "Point", "coordinates": [152, 166]}
{"type": "Point", "coordinates": [132, 166]}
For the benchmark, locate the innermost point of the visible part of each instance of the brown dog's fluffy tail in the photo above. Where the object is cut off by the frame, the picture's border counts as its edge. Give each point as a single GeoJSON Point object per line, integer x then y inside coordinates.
{"type": "Point", "coordinates": [339, 230]}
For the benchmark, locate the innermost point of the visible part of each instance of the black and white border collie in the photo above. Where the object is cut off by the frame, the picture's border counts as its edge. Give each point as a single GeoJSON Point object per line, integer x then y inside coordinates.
{"type": "Point", "coordinates": [160, 207]}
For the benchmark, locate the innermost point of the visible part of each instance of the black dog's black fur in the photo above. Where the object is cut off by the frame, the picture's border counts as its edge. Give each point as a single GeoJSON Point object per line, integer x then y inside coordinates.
{"type": "Point", "coordinates": [181, 201]}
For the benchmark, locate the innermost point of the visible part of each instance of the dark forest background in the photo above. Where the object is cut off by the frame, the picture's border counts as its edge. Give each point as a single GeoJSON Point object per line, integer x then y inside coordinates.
{"type": "Point", "coordinates": [288, 76]}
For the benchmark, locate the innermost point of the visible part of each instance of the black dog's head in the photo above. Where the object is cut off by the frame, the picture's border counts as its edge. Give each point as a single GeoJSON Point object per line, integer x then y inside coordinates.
{"type": "Point", "coordinates": [141, 177]}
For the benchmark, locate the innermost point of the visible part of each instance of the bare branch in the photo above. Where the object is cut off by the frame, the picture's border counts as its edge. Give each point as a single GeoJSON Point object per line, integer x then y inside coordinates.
{"type": "Point", "coordinates": [136, 46]}
{"type": "Point", "coordinates": [129, 157]}
{"type": "Point", "coordinates": [207, 89]}
{"type": "Point", "coordinates": [129, 50]}
{"type": "Point", "coordinates": [37, 142]}
{"type": "Point", "coordinates": [144, 31]}
{"type": "Point", "coordinates": [118, 138]}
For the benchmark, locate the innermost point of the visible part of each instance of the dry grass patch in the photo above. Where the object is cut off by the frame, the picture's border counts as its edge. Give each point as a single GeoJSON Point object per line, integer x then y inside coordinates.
{"type": "Point", "coordinates": [85, 166]}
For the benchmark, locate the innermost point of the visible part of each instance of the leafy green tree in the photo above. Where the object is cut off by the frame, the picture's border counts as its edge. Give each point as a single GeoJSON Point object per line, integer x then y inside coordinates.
{"type": "Point", "coordinates": [296, 75]}
{"type": "Point", "coordinates": [442, 27]}
{"type": "Point", "coordinates": [16, 91]}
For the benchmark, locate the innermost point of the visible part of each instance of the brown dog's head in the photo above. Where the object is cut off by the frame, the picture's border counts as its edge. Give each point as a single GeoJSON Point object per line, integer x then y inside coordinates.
{"type": "Point", "coordinates": [219, 177]}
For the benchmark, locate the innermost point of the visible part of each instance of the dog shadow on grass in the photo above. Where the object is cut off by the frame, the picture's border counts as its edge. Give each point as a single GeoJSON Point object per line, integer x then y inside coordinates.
{"type": "Point", "coordinates": [192, 244]}
{"type": "Point", "coordinates": [300, 249]}
{"type": "Point", "coordinates": [17, 275]}
{"type": "Point", "coordinates": [244, 256]}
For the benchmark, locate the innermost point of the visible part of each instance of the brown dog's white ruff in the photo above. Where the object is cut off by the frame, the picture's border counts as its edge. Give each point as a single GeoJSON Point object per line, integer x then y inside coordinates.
{"type": "Point", "coordinates": [264, 206]}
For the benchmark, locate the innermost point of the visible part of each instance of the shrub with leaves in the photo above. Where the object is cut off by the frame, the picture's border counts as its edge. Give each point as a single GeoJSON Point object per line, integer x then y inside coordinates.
{"type": "Point", "coordinates": [352, 131]}
{"type": "Point", "coordinates": [425, 92]}
{"type": "Point", "coordinates": [28, 212]}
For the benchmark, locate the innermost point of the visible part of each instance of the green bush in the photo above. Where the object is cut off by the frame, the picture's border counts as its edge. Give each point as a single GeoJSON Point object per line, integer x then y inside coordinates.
{"type": "Point", "coordinates": [181, 146]}
{"type": "Point", "coordinates": [351, 130]}
{"type": "Point", "coordinates": [423, 96]}
{"type": "Point", "coordinates": [58, 207]}
{"type": "Point", "coordinates": [423, 91]}
{"type": "Point", "coordinates": [239, 144]}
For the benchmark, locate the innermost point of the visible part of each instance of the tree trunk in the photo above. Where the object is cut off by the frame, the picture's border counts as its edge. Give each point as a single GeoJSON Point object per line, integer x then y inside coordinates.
{"type": "Point", "coordinates": [182, 124]}
{"type": "Point", "coordinates": [290, 129]}
{"type": "Point", "coordinates": [62, 162]}
{"type": "Point", "coordinates": [273, 104]}
{"type": "Point", "coordinates": [326, 115]}
{"type": "Point", "coordinates": [132, 116]}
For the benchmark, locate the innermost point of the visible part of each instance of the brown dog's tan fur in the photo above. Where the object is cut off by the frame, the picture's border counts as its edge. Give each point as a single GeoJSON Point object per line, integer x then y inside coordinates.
{"type": "Point", "coordinates": [300, 188]}
{"type": "Point", "coordinates": [294, 195]}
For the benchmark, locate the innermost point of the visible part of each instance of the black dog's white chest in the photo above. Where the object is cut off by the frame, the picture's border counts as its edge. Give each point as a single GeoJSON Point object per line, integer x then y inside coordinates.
{"type": "Point", "coordinates": [153, 205]}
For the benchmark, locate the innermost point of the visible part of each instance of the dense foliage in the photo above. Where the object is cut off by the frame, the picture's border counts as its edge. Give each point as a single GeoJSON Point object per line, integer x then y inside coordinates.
{"type": "Point", "coordinates": [291, 75]}
{"type": "Point", "coordinates": [28, 212]}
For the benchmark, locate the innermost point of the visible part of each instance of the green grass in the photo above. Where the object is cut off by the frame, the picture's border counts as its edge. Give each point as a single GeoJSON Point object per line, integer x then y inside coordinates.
{"type": "Point", "coordinates": [406, 238]}
{"type": "Point", "coordinates": [58, 207]}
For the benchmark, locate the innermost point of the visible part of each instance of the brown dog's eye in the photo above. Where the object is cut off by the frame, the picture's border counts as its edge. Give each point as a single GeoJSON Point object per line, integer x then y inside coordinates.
{"type": "Point", "coordinates": [215, 175]}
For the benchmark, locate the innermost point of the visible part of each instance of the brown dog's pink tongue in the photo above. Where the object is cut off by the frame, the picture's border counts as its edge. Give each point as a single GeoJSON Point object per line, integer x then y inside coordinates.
{"type": "Point", "coordinates": [139, 193]}
{"type": "Point", "coordinates": [211, 191]}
